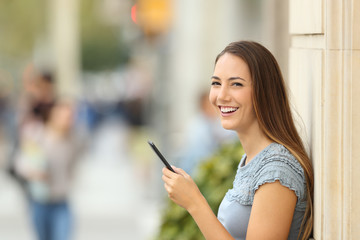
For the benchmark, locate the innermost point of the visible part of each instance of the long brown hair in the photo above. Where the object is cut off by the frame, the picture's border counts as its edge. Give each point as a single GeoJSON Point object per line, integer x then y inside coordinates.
{"type": "Point", "coordinates": [273, 112]}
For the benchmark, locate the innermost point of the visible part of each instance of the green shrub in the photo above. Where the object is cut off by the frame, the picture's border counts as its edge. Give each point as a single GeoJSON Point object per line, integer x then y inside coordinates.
{"type": "Point", "coordinates": [214, 177]}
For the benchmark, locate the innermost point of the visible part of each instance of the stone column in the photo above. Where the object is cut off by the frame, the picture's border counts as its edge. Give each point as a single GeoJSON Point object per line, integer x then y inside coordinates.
{"type": "Point", "coordinates": [64, 32]}
{"type": "Point", "coordinates": [324, 80]}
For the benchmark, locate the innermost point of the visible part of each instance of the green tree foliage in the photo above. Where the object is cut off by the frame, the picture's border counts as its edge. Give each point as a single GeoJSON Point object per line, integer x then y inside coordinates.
{"type": "Point", "coordinates": [102, 46]}
{"type": "Point", "coordinates": [24, 24]}
{"type": "Point", "coordinates": [214, 177]}
{"type": "Point", "coordinates": [21, 23]}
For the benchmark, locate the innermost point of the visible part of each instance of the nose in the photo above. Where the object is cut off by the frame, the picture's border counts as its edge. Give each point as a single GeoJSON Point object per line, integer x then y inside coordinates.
{"type": "Point", "coordinates": [223, 95]}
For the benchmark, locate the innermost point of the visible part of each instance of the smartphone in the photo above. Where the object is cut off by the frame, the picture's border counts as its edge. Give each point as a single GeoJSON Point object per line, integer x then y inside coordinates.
{"type": "Point", "coordinates": [156, 150]}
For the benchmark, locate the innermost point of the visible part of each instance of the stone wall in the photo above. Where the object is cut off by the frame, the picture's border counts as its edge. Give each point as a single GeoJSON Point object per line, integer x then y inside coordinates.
{"type": "Point", "coordinates": [324, 78]}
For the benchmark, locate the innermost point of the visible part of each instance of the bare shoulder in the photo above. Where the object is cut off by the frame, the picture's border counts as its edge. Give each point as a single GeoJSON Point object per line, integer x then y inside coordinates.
{"type": "Point", "coordinates": [272, 212]}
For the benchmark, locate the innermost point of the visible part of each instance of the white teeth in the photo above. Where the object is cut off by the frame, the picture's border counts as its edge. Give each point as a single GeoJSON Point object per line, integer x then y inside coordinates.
{"type": "Point", "coordinates": [228, 109]}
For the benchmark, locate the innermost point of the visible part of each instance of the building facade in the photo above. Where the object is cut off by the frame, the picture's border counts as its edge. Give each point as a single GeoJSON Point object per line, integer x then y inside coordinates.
{"type": "Point", "coordinates": [324, 74]}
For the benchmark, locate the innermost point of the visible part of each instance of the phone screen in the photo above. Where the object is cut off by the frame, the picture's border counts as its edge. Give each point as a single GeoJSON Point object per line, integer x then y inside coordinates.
{"type": "Point", "coordinates": [156, 150]}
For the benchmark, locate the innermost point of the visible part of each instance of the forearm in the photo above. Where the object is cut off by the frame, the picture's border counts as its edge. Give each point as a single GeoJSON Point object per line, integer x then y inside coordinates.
{"type": "Point", "coordinates": [208, 223]}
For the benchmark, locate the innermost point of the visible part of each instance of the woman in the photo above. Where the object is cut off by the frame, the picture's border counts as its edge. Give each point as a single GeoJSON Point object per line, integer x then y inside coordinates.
{"type": "Point", "coordinates": [272, 192]}
{"type": "Point", "coordinates": [47, 157]}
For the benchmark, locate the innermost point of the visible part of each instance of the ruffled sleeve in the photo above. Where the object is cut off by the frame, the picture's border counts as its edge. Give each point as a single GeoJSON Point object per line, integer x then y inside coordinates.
{"type": "Point", "coordinates": [287, 171]}
{"type": "Point", "coordinates": [272, 164]}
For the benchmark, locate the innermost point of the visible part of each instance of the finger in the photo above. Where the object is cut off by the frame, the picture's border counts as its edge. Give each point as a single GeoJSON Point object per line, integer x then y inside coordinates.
{"type": "Point", "coordinates": [165, 171]}
{"type": "Point", "coordinates": [167, 188]}
{"type": "Point", "coordinates": [165, 179]}
{"type": "Point", "coordinates": [168, 173]}
{"type": "Point", "coordinates": [180, 171]}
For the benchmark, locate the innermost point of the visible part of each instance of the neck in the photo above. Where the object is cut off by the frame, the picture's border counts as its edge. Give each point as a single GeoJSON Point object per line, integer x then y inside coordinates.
{"type": "Point", "coordinates": [253, 141]}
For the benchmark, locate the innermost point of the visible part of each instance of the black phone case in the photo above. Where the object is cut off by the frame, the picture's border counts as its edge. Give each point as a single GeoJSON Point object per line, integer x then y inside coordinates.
{"type": "Point", "coordinates": [156, 150]}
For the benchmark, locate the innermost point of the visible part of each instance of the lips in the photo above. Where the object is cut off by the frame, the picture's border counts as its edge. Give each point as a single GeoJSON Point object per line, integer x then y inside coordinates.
{"type": "Point", "coordinates": [227, 110]}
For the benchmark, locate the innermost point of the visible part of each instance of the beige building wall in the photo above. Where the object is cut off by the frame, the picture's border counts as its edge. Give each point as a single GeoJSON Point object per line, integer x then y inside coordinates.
{"type": "Point", "coordinates": [324, 78]}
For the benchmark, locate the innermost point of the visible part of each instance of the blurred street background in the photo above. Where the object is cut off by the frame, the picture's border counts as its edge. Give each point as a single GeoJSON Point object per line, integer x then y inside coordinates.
{"type": "Point", "coordinates": [109, 198]}
{"type": "Point", "coordinates": [133, 70]}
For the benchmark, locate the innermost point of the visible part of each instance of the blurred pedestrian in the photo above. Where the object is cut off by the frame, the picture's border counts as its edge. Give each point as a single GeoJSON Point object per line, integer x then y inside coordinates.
{"type": "Point", "coordinates": [32, 111]}
{"type": "Point", "coordinates": [272, 192]}
{"type": "Point", "coordinates": [47, 157]}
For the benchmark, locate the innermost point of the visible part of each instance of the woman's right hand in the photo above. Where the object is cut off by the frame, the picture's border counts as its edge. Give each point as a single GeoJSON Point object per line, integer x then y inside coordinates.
{"type": "Point", "coordinates": [184, 192]}
{"type": "Point", "coordinates": [182, 189]}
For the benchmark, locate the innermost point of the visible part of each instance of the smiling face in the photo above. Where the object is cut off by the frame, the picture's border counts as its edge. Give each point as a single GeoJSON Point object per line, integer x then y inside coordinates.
{"type": "Point", "coordinates": [231, 93]}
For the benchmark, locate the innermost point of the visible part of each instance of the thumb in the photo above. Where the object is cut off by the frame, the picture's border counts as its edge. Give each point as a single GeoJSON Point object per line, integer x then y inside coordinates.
{"type": "Point", "coordinates": [180, 171]}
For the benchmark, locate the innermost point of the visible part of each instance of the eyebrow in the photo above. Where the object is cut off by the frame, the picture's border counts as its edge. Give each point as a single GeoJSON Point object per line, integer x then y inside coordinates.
{"type": "Point", "coordinates": [230, 79]}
